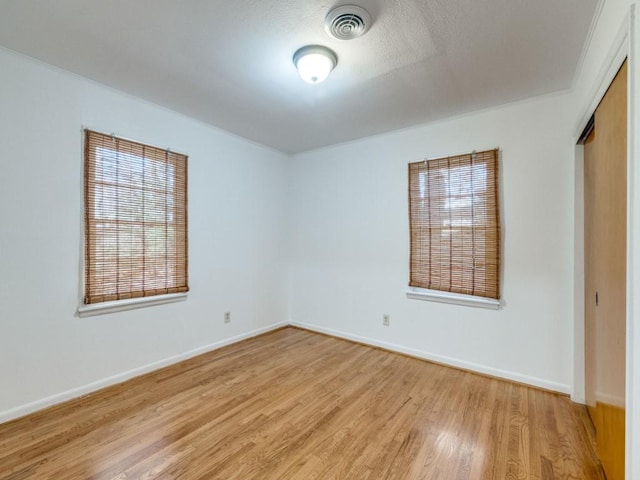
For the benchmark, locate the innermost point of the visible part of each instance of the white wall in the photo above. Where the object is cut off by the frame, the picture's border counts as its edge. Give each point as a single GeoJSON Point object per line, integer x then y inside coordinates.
{"type": "Point", "coordinates": [236, 225]}
{"type": "Point", "coordinates": [615, 34]}
{"type": "Point", "coordinates": [603, 55]}
{"type": "Point", "coordinates": [607, 33]}
{"type": "Point", "coordinates": [349, 244]}
{"type": "Point", "coordinates": [343, 214]}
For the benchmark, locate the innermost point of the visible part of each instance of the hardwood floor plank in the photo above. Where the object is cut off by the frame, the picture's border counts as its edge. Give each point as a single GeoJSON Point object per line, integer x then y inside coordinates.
{"type": "Point", "coordinates": [293, 404]}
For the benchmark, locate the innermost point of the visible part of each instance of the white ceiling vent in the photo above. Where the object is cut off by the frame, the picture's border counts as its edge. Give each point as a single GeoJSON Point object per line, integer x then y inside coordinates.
{"type": "Point", "coordinates": [347, 22]}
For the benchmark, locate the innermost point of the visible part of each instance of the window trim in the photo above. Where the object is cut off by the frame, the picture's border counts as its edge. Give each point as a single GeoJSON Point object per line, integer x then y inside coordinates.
{"type": "Point", "coordinates": [422, 292]}
{"type": "Point", "coordinates": [92, 309]}
{"type": "Point", "coordinates": [113, 306]}
{"type": "Point", "coordinates": [417, 293]}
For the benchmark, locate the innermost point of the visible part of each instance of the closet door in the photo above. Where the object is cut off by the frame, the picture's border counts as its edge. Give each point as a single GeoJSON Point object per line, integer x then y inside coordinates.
{"type": "Point", "coordinates": [605, 274]}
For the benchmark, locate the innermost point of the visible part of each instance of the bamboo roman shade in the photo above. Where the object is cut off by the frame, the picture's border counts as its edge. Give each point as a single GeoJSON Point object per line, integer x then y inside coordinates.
{"type": "Point", "coordinates": [455, 224]}
{"type": "Point", "coordinates": [135, 220]}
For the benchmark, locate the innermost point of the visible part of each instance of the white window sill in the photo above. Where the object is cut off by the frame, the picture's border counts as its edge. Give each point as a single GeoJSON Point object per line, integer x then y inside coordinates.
{"type": "Point", "coordinates": [129, 304]}
{"type": "Point", "coordinates": [453, 298]}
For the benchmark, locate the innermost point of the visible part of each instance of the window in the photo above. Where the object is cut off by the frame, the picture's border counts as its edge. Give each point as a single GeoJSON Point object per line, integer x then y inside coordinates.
{"type": "Point", "coordinates": [135, 220]}
{"type": "Point", "coordinates": [455, 225]}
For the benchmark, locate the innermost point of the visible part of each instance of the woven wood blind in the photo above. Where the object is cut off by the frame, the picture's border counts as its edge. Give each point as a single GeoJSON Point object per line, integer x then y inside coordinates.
{"type": "Point", "coordinates": [135, 220]}
{"type": "Point", "coordinates": [455, 224]}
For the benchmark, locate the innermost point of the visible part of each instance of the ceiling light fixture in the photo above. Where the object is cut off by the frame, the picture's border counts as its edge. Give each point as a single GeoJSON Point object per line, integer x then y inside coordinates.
{"type": "Point", "coordinates": [314, 62]}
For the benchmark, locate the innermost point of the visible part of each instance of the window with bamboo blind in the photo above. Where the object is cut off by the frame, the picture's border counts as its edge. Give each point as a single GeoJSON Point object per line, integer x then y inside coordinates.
{"type": "Point", "coordinates": [455, 224]}
{"type": "Point", "coordinates": [135, 220]}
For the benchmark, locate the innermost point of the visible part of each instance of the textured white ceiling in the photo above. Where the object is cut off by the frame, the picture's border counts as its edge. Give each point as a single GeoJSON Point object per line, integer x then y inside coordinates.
{"type": "Point", "coordinates": [228, 63]}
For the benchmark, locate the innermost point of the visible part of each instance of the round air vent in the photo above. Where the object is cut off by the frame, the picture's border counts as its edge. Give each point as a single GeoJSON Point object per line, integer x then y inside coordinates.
{"type": "Point", "coordinates": [347, 22]}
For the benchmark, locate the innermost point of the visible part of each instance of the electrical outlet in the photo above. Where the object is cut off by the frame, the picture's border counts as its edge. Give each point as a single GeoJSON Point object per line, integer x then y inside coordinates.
{"type": "Point", "coordinates": [227, 317]}
{"type": "Point", "coordinates": [385, 320]}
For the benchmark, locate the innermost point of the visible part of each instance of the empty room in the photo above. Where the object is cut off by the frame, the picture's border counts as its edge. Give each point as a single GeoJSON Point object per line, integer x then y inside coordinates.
{"type": "Point", "coordinates": [295, 239]}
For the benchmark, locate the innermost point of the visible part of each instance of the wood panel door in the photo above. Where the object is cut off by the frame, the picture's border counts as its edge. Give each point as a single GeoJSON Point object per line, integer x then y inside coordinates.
{"type": "Point", "coordinates": [605, 205]}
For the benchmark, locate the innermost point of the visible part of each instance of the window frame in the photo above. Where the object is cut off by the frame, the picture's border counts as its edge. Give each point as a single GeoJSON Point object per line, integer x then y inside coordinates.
{"type": "Point", "coordinates": [148, 299]}
{"type": "Point", "coordinates": [444, 296]}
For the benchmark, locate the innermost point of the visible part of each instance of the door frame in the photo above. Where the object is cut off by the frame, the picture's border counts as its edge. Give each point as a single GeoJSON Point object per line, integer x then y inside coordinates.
{"type": "Point", "coordinates": [625, 45]}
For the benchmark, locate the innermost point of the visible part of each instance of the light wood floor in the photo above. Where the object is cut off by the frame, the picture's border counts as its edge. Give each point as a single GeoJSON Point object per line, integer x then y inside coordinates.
{"type": "Point", "coordinates": [297, 405]}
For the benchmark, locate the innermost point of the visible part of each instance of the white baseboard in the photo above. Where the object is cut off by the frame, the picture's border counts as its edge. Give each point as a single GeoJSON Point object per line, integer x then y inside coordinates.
{"type": "Point", "coordinates": [22, 410]}
{"type": "Point", "coordinates": [28, 408]}
{"type": "Point", "coordinates": [453, 362]}
{"type": "Point", "coordinates": [578, 399]}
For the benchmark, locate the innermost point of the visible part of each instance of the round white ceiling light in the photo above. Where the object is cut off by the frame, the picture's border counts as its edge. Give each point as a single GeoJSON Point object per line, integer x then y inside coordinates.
{"type": "Point", "coordinates": [347, 22]}
{"type": "Point", "coordinates": [314, 62]}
